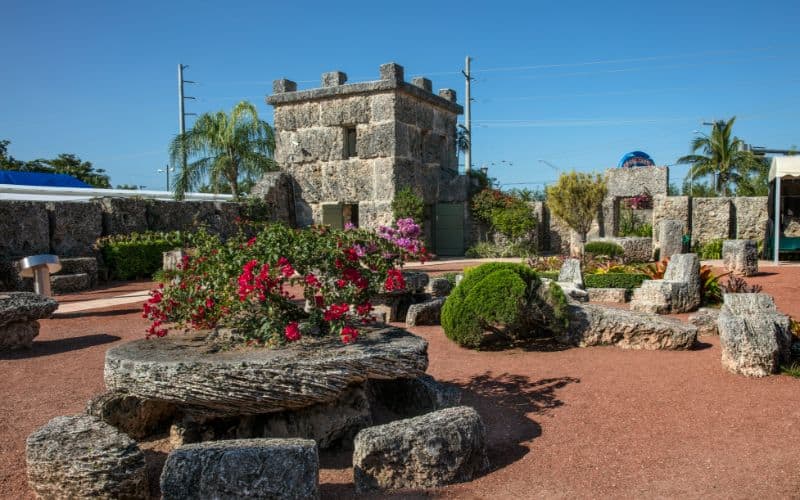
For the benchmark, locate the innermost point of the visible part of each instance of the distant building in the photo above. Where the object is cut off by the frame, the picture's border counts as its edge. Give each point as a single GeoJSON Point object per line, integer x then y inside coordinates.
{"type": "Point", "coordinates": [349, 148]}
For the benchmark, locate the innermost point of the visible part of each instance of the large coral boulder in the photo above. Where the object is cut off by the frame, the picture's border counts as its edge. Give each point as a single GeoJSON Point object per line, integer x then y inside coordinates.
{"type": "Point", "coordinates": [444, 447]}
{"type": "Point", "coordinates": [19, 312]}
{"type": "Point", "coordinates": [755, 338]}
{"type": "Point", "coordinates": [83, 457]}
{"type": "Point", "coordinates": [199, 376]}
{"type": "Point", "coordinates": [243, 468]}
{"type": "Point", "coordinates": [593, 324]}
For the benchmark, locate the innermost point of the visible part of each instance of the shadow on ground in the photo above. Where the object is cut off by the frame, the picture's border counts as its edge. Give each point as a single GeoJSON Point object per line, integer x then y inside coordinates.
{"type": "Point", "coordinates": [50, 347]}
{"type": "Point", "coordinates": [504, 401]}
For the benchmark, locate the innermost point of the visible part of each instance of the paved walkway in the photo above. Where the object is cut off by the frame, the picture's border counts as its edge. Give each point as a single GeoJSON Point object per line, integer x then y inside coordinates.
{"type": "Point", "coordinates": [87, 305]}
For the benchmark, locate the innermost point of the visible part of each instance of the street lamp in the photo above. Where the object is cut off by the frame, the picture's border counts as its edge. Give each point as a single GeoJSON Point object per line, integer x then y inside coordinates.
{"type": "Point", "coordinates": [166, 170]}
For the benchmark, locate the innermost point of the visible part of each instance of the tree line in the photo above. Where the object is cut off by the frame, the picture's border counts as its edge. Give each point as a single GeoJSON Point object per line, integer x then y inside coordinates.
{"type": "Point", "coordinates": [65, 163]}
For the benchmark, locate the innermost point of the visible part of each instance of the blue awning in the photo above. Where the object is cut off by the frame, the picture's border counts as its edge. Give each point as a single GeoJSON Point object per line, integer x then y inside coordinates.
{"type": "Point", "coordinates": [40, 179]}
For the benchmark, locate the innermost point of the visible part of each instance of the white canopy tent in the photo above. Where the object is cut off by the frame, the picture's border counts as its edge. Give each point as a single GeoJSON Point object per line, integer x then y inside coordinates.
{"type": "Point", "coordinates": [782, 168]}
{"type": "Point", "coordinates": [46, 193]}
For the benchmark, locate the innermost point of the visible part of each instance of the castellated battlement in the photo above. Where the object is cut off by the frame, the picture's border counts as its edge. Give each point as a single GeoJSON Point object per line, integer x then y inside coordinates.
{"type": "Point", "coordinates": [334, 83]}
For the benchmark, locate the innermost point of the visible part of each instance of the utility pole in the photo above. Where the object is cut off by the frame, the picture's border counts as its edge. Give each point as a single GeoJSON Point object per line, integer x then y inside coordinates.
{"type": "Point", "coordinates": [467, 119]}
{"type": "Point", "coordinates": [181, 112]}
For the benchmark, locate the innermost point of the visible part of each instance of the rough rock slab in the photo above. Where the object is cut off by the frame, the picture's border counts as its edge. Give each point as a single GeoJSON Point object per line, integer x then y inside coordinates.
{"type": "Point", "coordinates": [425, 313]}
{"type": "Point", "coordinates": [670, 237]}
{"type": "Point", "coordinates": [81, 457]}
{"type": "Point", "coordinates": [411, 397]}
{"type": "Point", "coordinates": [571, 272]}
{"type": "Point", "coordinates": [192, 371]}
{"type": "Point", "coordinates": [615, 295]}
{"type": "Point", "coordinates": [79, 265]}
{"type": "Point", "coordinates": [740, 257]}
{"type": "Point", "coordinates": [654, 296]}
{"type": "Point", "coordinates": [684, 268]}
{"type": "Point", "coordinates": [573, 291]}
{"type": "Point", "coordinates": [243, 468]}
{"type": "Point", "coordinates": [328, 424]}
{"type": "Point", "coordinates": [134, 416]}
{"type": "Point", "coordinates": [70, 283]}
{"type": "Point", "coordinates": [444, 447]}
{"type": "Point", "coordinates": [439, 287]}
{"type": "Point", "coordinates": [415, 281]}
{"type": "Point", "coordinates": [754, 337]}
{"type": "Point", "coordinates": [593, 324]}
{"type": "Point", "coordinates": [19, 312]}
{"type": "Point", "coordinates": [705, 320]}
{"type": "Point", "coordinates": [18, 335]}
{"type": "Point", "coordinates": [24, 306]}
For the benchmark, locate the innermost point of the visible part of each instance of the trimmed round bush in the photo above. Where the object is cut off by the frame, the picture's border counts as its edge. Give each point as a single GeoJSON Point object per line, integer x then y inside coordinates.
{"type": "Point", "coordinates": [502, 300]}
{"type": "Point", "coordinates": [607, 248]}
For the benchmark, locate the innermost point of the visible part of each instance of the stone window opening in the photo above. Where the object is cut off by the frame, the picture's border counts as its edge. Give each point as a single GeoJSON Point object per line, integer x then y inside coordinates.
{"type": "Point", "coordinates": [340, 215]}
{"type": "Point", "coordinates": [350, 140]}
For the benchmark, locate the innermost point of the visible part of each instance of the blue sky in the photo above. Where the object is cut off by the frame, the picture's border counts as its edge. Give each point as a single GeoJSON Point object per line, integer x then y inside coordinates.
{"type": "Point", "coordinates": [574, 83]}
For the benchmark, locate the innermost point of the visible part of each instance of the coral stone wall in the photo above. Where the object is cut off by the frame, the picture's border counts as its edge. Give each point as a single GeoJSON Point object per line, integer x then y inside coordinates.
{"type": "Point", "coordinates": [711, 219]}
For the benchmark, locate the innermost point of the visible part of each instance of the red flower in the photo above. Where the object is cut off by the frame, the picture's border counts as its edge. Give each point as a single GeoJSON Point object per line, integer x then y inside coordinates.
{"type": "Point", "coordinates": [349, 334]}
{"type": "Point", "coordinates": [394, 280]}
{"type": "Point", "coordinates": [335, 312]}
{"type": "Point", "coordinates": [355, 277]}
{"type": "Point", "coordinates": [292, 331]}
{"type": "Point", "coordinates": [364, 309]}
{"type": "Point", "coordinates": [312, 281]}
{"type": "Point", "coordinates": [319, 300]}
{"type": "Point", "coordinates": [341, 283]}
{"type": "Point", "coordinates": [251, 241]}
{"type": "Point", "coordinates": [351, 254]}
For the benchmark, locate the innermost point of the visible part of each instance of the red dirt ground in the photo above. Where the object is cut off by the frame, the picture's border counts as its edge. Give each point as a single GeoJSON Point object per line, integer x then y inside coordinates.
{"type": "Point", "coordinates": [594, 422]}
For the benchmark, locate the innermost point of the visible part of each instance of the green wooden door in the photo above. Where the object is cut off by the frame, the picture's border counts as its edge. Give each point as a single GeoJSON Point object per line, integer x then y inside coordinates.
{"type": "Point", "coordinates": [449, 229]}
{"type": "Point", "coordinates": [332, 215]}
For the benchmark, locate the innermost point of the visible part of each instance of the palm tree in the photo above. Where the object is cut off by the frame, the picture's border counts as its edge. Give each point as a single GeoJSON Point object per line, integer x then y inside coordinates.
{"type": "Point", "coordinates": [227, 146]}
{"type": "Point", "coordinates": [723, 156]}
{"type": "Point", "coordinates": [463, 140]}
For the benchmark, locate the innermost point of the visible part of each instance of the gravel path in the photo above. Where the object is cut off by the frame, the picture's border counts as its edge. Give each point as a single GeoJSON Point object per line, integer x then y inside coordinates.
{"type": "Point", "coordinates": [594, 422]}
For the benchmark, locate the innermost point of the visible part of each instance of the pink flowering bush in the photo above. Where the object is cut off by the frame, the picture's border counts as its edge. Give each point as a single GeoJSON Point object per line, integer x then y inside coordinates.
{"type": "Point", "coordinates": [640, 202]}
{"type": "Point", "coordinates": [405, 235]}
{"type": "Point", "coordinates": [246, 284]}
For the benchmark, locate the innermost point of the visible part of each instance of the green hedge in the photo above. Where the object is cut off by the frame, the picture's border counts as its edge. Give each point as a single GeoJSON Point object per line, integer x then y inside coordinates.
{"type": "Point", "coordinates": [551, 275]}
{"type": "Point", "coordinates": [607, 248]}
{"type": "Point", "coordinates": [138, 255]}
{"type": "Point", "coordinates": [614, 280]}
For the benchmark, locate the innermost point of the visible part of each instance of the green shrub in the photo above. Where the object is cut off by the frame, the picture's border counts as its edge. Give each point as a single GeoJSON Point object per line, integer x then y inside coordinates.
{"type": "Point", "coordinates": [406, 204]}
{"type": "Point", "coordinates": [606, 248]}
{"type": "Point", "coordinates": [488, 250]}
{"type": "Point", "coordinates": [137, 255]}
{"type": "Point", "coordinates": [631, 224]}
{"type": "Point", "coordinates": [710, 250]}
{"type": "Point", "coordinates": [514, 221]}
{"type": "Point", "coordinates": [551, 275]}
{"type": "Point", "coordinates": [502, 299]}
{"type": "Point", "coordinates": [614, 280]}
